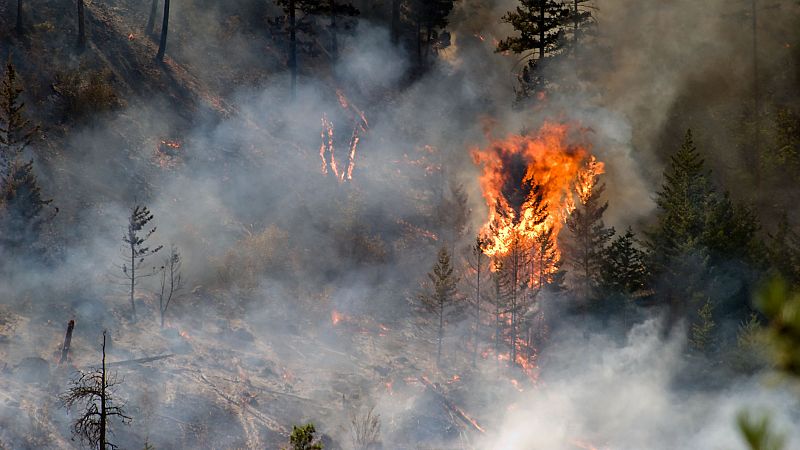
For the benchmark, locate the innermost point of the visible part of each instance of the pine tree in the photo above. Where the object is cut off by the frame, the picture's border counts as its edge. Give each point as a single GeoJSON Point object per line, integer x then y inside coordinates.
{"type": "Point", "coordinates": [586, 242]}
{"type": "Point", "coordinates": [443, 293]}
{"type": "Point", "coordinates": [783, 248]}
{"type": "Point", "coordinates": [302, 438]}
{"type": "Point", "coordinates": [16, 131]}
{"type": "Point", "coordinates": [22, 214]}
{"type": "Point", "coordinates": [430, 19]}
{"type": "Point", "coordinates": [540, 38]}
{"type": "Point", "coordinates": [624, 265]}
{"type": "Point", "coordinates": [135, 250]}
{"type": "Point", "coordinates": [678, 257]}
{"type": "Point", "coordinates": [682, 202]}
{"type": "Point", "coordinates": [22, 210]}
{"type": "Point", "coordinates": [702, 329]}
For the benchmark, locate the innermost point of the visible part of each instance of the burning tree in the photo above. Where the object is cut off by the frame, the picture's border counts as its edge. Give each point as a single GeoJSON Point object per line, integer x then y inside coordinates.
{"type": "Point", "coordinates": [587, 238]}
{"type": "Point", "coordinates": [94, 392]}
{"type": "Point", "coordinates": [529, 183]}
{"type": "Point", "coordinates": [134, 250]}
{"type": "Point", "coordinates": [442, 294]}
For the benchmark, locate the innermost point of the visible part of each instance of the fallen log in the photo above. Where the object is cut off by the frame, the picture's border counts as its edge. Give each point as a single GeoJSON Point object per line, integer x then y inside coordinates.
{"type": "Point", "coordinates": [129, 362]}
{"type": "Point", "coordinates": [67, 342]}
{"type": "Point", "coordinates": [458, 412]}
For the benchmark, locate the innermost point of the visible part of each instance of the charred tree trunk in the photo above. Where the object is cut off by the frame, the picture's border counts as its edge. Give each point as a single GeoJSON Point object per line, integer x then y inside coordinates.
{"type": "Point", "coordinates": [132, 288]}
{"type": "Point", "coordinates": [81, 25]}
{"type": "Point", "coordinates": [19, 17]}
{"type": "Point", "coordinates": [515, 277]}
{"type": "Point", "coordinates": [395, 21]}
{"type": "Point", "coordinates": [476, 331]}
{"type": "Point", "coordinates": [419, 43]}
{"type": "Point", "coordinates": [334, 41]}
{"type": "Point", "coordinates": [755, 158]}
{"type": "Point", "coordinates": [103, 395]}
{"type": "Point", "coordinates": [67, 342]}
{"type": "Point", "coordinates": [293, 47]}
{"type": "Point", "coordinates": [151, 19]}
{"type": "Point", "coordinates": [162, 46]}
{"type": "Point", "coordinates": [441, 334]}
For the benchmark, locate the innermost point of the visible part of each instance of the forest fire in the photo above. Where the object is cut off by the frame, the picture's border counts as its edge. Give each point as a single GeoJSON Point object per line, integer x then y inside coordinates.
{"type": "Point", "coordinates": [529, 182]}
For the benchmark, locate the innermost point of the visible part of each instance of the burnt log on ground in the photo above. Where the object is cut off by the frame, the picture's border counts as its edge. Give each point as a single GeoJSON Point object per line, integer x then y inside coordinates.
{"type": "Point", "coordinates": [67, 342]}
{"type": "Point", "coordinates": [450, 406]}
{"type": "Point", "coordinates": [129, 362]}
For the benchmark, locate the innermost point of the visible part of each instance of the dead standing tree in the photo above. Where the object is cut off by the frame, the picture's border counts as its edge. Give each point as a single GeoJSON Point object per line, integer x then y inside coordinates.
{"type": "Point", "coordinates": [93, 392]}
{"type": "Point", "coordinates": [171, 281]}
{"type": "Point", "coordinates": [134, 251]}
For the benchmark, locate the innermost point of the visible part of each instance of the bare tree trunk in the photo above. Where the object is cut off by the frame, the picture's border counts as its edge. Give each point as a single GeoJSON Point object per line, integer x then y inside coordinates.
{"type": "Point", "coordinates": [133, 286]}
{"type": "Point", "coordinates": [81, 25]}
{"type": "Point", "coordinates": [151, 19]}
{"type": "Point", "coordinates": [395, 21]}
{"type": "Point", "coordinates": [441, 334]}
{"type": "Point", "coordinates": [755, 158]}
{"type": "Point", "coordinates": [162, 46]}
{"type": "Point", "coordinates": [419, 43]}
{"type": "Point", "coordinates": [334, 42]}
{"type": "Point", "coordinates": [67, 342]}
{"type": "Point", "coordinates": [19, 17]}
{"type": "Point", "coordinates": [293, 47]}
{"type": "Point", "coordinates": [103, 397]}
{"type": "Point", "coordinates": [476, 332]}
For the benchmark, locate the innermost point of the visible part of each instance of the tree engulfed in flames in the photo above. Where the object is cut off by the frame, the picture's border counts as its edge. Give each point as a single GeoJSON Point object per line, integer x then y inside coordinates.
{"type": "Point", "coordinates": [515, 166]}
{"type": "Point", "coordinates": [530, 183]}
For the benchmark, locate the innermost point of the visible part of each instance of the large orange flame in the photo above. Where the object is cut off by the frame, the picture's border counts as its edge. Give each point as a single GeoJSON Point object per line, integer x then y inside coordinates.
{"type": "Point", "coordinates": [546, 158]}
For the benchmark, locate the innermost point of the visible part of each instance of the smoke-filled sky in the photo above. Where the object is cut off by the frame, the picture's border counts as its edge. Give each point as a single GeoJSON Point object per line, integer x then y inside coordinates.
{"type": "Point", "coordinates": [258, 169]}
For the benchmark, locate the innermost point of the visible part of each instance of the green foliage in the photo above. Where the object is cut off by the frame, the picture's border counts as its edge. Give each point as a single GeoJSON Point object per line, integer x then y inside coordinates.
{"type": "Point", "coordinates": [698, 233]}
{"type": "Point", "coordinates": [783, 250]}
{"type": "Point", "coordinates": [546, 30]}
{"type": "Point", "coordinates": [781, 306]}
{"type": "Point", "coordinates": [22, 209]}
{"type": "Point", "coordinates": [701, 333]}
{"type": "Point", "coordinates": [585, 246]}
{"type": "Point", "coordinates": [758, 434]}
{"type": "Point", "coordinates": [624, 270]}
{"type": "Point", "coordinates": [751, 347]}
{"type": "Point", "coordinates": [302, 438]}
{"type": "Point", "coordinates": [442, 293]}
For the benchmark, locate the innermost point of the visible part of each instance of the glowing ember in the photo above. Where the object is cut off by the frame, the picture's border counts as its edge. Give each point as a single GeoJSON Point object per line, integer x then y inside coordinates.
{"type": "Point", "coordinates": [336, 317]}
{"type": "Point", "coordinates": [389, 387]}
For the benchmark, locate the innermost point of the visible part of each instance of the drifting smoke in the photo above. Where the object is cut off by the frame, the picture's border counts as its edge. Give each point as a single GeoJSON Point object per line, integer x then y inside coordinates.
{"type": "Point", "coordinates": [248, 187]}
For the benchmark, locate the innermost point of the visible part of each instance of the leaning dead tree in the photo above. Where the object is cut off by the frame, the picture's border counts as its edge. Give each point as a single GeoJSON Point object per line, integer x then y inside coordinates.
{"type": "Point", "coordinates": [135, 251]}
{"type": "Point", "coordinates": [365, 430]}
{"type": "Point", "coordinates": [67, 342]}
{"type": "Point", "coordinates": [93, 393]}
